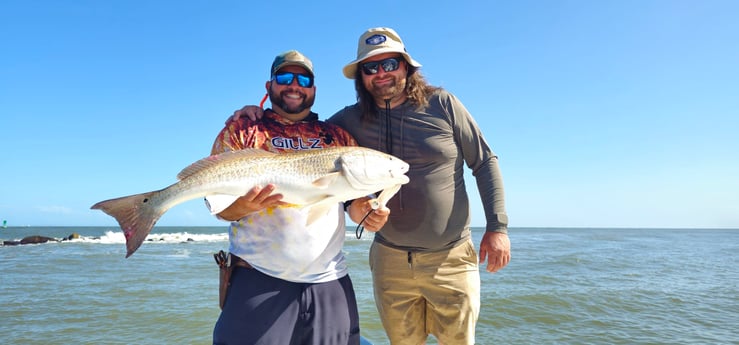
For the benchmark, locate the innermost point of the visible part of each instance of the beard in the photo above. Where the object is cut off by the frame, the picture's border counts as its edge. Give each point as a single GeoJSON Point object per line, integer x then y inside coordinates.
{"type": "Point", "coordinates": [389, 91]}
{"type": "Point", "coordinates": [281, 101]}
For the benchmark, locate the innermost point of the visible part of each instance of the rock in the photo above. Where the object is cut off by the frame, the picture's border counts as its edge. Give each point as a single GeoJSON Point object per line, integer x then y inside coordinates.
{"type": "Point", "coordinates": [37, 239]}
{"type": "Point", "coordinates": [72, 236]}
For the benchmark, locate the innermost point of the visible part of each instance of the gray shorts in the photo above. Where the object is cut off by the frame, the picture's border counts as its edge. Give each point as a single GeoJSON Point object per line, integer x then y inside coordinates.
{"type": "Point", "coordinates": [261, 309]}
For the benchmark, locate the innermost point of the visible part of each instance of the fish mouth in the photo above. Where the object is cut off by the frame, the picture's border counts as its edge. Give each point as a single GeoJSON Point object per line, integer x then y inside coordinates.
{"type": "Point", "coordinates": [401, 173]}
{"type": "Point", "coordinates": [399, 176]}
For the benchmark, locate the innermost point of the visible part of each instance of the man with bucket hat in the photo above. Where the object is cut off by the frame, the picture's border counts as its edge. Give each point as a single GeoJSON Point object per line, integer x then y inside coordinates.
{"type": "Point", "coordinates": [424, 265]}
{"type": "Point", "coordinates": [425, 270]}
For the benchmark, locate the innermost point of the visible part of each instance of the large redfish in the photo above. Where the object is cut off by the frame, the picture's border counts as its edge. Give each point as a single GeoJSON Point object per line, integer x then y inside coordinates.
{"type": "Point", "coordinates": [318, 179]}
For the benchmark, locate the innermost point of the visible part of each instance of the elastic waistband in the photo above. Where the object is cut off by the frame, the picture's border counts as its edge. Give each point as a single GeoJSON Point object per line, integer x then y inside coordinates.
{"type": "Point", "coordinates": [448, 246]}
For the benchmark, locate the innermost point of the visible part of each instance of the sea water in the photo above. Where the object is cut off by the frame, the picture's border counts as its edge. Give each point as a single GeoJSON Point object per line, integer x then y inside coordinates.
{"type": "Point", "coordinates": [563, 286]}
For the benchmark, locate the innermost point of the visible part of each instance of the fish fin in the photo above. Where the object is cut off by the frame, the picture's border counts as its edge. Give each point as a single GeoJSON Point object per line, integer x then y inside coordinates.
{"type": "Point", "coordinates": [326, 180]}
{"type": "Point", "coordinates": [219, 202]}
{"type": "Point", "coordinates": [135, 214]}
{"type": "Point", "coordinates": [384, 196]}
{"type": "Point", "coordinates": [317, 211]}
{"type": "Point", "coordinates": [219, 158]}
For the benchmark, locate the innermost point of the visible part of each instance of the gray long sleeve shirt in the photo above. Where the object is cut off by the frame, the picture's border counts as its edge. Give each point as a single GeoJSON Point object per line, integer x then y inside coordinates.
{"type": "Point", "coordinates": [431, 212]}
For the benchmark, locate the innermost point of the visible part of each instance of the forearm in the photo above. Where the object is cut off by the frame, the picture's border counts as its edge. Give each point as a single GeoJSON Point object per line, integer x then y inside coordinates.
{"type": "Point", "coordinates": [492, 194]}
{"type": "Point", "coordinates": [233, 213]}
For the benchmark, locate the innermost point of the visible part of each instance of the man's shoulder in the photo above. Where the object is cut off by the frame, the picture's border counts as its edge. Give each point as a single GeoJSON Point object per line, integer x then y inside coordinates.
{"type": "Point", "coordinates": [442, 94]}
{"type": "Point", "coordinates": [241, 123]}
{"type": "Point", "coordinates": [348, 112]}
{"type": "Point", "coordinates": [325, 124]}
{"type": "Point", "coordinates": [444, 99]}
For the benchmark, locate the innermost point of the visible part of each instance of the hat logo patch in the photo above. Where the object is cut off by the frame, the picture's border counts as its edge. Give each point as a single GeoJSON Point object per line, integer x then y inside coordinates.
{"type": "Point", "coordinates": [375, 40]}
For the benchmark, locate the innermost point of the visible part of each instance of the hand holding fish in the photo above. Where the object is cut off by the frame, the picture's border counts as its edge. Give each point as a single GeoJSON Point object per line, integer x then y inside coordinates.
{"type": "Point", "coordinates": [376, 218]}
{"type": "Point", "coordinates": [256, 199]}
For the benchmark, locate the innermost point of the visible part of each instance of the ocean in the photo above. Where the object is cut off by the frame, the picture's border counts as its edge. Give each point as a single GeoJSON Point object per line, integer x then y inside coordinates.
{"type": "Point", "coordinates": [563, 286]}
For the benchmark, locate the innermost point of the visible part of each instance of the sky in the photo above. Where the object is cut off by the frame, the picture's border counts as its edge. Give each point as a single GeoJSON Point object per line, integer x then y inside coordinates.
{"type": "Point", "coordinates": [603, 113]}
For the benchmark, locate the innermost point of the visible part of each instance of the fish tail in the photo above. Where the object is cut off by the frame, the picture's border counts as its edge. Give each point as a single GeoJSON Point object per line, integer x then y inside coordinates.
{"type": "Point", "coordinates": [136, 214]}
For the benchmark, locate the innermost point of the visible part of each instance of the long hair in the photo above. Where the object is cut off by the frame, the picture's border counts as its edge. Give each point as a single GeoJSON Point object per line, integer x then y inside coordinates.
{"type": "Point", "coordinates": [417, 89]}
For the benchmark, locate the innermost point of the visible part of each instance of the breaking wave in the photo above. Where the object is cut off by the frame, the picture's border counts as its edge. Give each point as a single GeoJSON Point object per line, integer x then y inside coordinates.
{"type": "Point", "coordinates": [177, 237]}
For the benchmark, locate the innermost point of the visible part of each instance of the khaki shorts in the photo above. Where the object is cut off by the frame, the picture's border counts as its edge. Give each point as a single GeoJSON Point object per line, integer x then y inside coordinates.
{"type": "Point", "coordinates": [418, 294]}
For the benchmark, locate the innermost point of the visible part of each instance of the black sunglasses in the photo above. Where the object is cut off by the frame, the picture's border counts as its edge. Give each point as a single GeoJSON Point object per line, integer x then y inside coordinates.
{"type": "Point", "coordinates": [286, 78]}
{"type": "Point", "coordinates": [388, 65]}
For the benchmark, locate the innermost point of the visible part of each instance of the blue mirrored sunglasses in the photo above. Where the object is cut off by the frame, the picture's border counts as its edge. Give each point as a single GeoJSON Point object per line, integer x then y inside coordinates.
{"type": "Point", "coordinates": [286, 78]}
{"type": "Point", "coordinates": [388, 65]}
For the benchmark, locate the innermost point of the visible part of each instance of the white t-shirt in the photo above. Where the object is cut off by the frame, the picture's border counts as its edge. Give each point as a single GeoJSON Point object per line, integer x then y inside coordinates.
{"type": "Point", "coordinates": [277, 242]}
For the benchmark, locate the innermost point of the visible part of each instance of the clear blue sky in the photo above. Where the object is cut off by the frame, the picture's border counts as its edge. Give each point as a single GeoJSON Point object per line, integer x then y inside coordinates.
{"type": "Point", "coordinates": [604, 113]}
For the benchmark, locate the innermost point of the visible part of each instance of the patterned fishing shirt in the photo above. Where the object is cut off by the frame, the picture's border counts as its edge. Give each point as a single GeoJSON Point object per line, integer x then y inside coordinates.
{"type": "Point", "coordinates": [276, 241]}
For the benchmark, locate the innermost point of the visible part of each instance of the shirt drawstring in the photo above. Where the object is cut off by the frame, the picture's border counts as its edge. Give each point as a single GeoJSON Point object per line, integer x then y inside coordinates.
{"type": "Point", "coordinates": [402, 155]}
{"type": "Point", "coordinates": [389, 140]}
{"type": "Point", "coordinates": [388, 128]}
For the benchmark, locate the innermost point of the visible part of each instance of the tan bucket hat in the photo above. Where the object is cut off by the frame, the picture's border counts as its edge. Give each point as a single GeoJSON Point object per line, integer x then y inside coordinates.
{"type": "Point", "coordinates": [291, 58]}
{"type": "Point", "coordinates": [377, 41]}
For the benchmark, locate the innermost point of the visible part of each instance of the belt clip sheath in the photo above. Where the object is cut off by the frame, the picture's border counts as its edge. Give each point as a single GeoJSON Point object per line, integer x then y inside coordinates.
{"type": "Point", "coordinates": [224, 263]}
